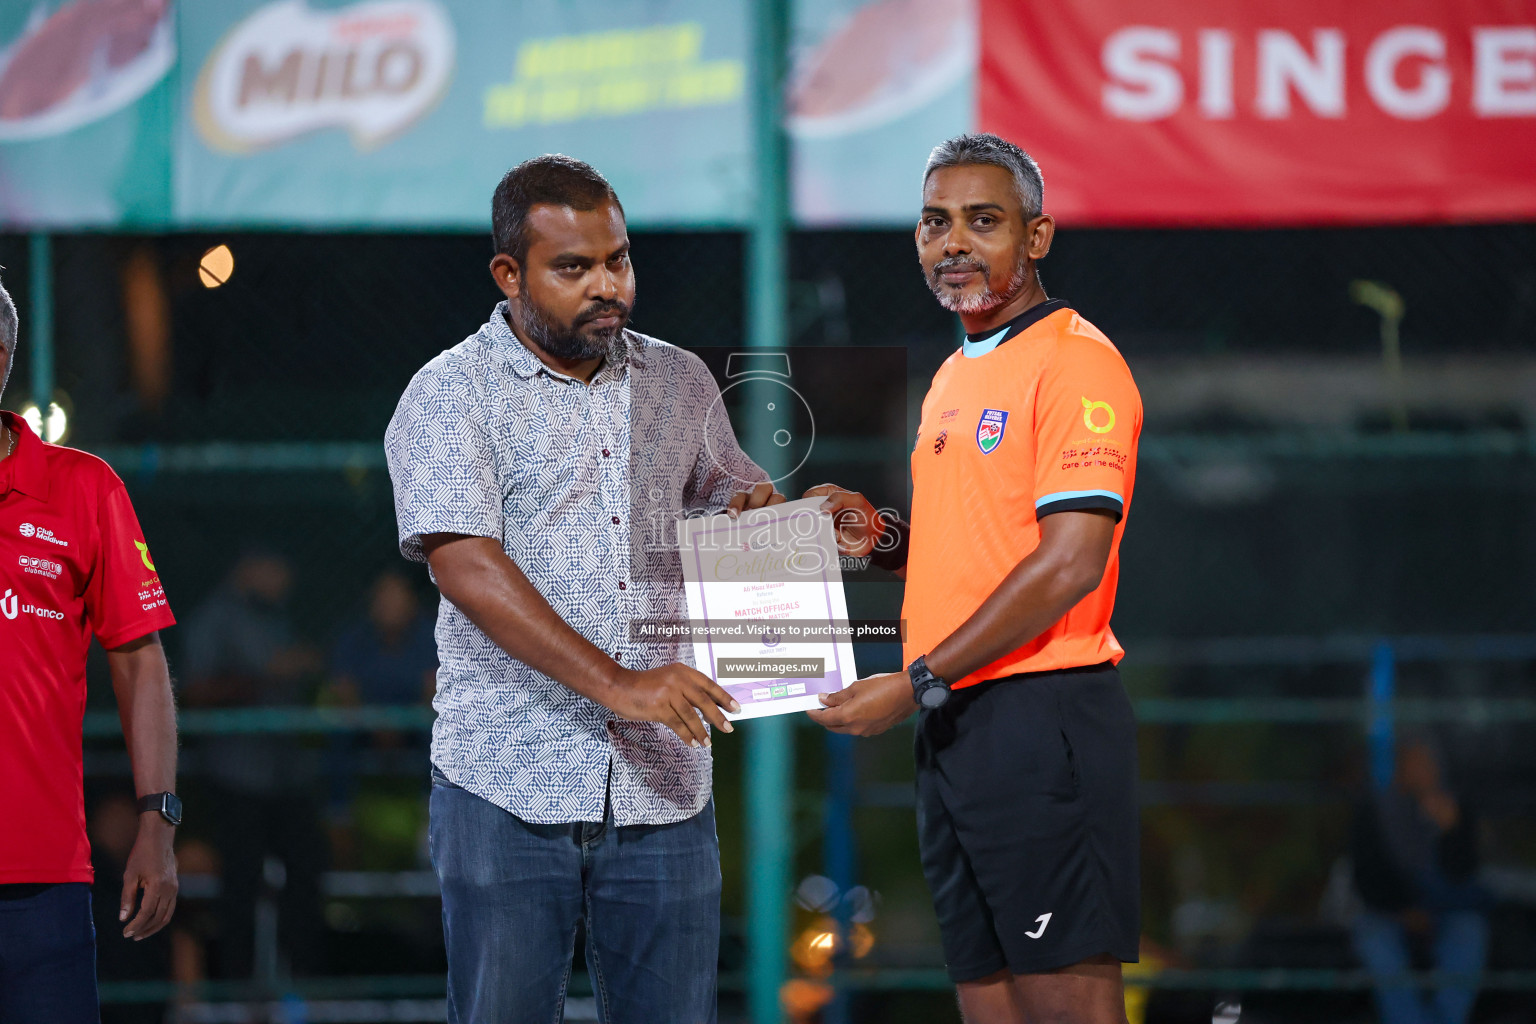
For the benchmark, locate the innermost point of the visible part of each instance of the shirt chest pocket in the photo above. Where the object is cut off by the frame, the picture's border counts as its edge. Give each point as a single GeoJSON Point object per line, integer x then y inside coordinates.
{"type": "Point", "coordinates": [565, 463]}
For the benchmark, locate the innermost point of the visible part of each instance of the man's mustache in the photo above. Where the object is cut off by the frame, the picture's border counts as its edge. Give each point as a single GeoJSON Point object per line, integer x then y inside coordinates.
{"type": "Point", "coordinates": [948, 264]}
{"type": "Point", "coordinates": [619, 309]}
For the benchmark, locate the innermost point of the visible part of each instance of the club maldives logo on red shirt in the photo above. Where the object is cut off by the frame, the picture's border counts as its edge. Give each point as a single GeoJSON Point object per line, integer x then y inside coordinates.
{"type": "Point", "coordinates": [43, 534]}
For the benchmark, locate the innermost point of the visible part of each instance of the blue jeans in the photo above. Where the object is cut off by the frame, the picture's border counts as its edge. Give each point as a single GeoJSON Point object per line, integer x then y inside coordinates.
{"type": "Point", "coordinates": [1460, 947]}
{"type": "Point", "coordinates": [513, 893]}
{"type": "Point", "coordinates": [48, 957]}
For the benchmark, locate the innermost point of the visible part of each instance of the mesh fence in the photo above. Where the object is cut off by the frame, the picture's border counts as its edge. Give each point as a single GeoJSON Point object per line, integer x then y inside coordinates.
{"type": "Point", "coordinates": [248, 417]}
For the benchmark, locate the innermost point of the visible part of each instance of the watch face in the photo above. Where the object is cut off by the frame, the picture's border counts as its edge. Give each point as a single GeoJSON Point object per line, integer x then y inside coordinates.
{"type": "Point", "coordinates": [934, 696]}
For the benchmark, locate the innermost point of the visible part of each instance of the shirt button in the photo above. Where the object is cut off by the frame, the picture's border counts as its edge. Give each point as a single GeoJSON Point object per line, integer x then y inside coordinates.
{"type": "Point", "coordinates": [623, 585]}
{"type": "Point", "coordinates": [615, 519]}
{"type": "Point", "coordinates": [605, 453]}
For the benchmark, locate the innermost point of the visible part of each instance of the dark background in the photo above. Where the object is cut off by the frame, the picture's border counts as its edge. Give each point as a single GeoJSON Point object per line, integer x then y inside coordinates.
{"type": "Point", "coordinates": [1362, 534]}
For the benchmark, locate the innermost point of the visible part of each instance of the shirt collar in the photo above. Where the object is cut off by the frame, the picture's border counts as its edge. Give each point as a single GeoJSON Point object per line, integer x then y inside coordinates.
{"type": "Point", "coordinates": [972, 349]}
{"type": "Point", "coordinates": [976, 345]}
{"type": "Point", "coordinates": [25, 470]}
{"type": "Point", "coordinates": [628, 350]}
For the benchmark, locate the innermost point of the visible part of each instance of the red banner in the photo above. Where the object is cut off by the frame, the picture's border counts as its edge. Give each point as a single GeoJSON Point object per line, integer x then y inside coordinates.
{"type": "Point", "coordinates": [1268, 111]}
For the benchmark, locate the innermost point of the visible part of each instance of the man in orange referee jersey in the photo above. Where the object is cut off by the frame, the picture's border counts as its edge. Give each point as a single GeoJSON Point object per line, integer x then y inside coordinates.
{"type": "Point", "coordinates": [1026, 745]}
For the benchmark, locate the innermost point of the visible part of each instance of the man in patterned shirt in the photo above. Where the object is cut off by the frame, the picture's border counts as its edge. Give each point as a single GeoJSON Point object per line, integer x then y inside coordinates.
{"type": "Point", "coordinates": [532, 464]}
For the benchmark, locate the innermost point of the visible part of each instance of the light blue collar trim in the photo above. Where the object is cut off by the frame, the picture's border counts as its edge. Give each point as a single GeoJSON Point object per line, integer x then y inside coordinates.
{"type": "Point", "coordinates": [971, 349]}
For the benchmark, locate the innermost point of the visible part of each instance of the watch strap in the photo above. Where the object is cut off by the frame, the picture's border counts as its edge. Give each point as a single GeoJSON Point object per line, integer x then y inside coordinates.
{"type": "Point", "coordinates": [922, 676]}
{"type": "Point", "coordinates": [168, 805]}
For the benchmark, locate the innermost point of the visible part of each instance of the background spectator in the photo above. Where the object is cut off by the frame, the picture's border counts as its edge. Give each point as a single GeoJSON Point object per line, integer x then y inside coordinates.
{"type": "Point", "coordinates": [240, 647]}
{"type": "Point", "coordinates": [385, 657]}
{"type": "Point", "coordinates": [241, 650]}
{"type": "Point", "coordinates": [388, 657]}
{"type": "Point", "coordinates": [1415, 853]}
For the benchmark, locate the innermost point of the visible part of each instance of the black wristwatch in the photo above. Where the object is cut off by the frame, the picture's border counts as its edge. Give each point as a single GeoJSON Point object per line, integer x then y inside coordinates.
{"type": "Point", "coordinates": [927, 689]}
{"type": "Point", "coordinates": [167, 804]}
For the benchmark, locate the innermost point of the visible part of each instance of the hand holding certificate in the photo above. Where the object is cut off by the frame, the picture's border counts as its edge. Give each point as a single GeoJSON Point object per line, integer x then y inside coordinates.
{"type": "Point", "coordinates": [765, 593]}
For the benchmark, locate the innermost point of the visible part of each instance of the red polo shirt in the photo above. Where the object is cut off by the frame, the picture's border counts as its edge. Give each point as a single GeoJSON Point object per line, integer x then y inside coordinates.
{"type": "Point", "coordinates": [73, 563]}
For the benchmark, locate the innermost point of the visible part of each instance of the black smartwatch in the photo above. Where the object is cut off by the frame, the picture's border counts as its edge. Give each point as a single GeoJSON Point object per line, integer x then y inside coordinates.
{"type": "Point", "coordinates": [927, 689]}
{"type": "Point", "coordinates": [167, 804]}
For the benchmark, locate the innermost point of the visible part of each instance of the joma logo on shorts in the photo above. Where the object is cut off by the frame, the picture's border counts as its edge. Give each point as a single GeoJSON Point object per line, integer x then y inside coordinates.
{"type": "Point", "coordinates": [1043, 920]}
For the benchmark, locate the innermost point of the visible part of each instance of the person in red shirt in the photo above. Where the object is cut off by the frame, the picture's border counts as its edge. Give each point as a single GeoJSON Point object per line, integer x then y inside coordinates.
{"type": "Point", "coordinates": [73, 564]}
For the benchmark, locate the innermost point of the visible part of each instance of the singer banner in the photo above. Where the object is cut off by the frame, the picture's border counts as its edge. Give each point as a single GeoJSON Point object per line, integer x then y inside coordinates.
{"type": "Point", "coordinates": [1268, 112]}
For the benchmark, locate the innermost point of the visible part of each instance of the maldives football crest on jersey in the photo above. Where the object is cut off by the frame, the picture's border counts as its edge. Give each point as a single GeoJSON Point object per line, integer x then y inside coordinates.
{"type": "Point", "coordinates": [989, 432]}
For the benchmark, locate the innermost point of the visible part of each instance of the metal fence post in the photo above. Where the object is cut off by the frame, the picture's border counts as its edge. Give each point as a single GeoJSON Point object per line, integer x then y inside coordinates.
{"type": "Point", "coordinates": [1380, 730]}
{"type": "Point", "coordinates": [769, 741]}
{"type": "Point", "coordinates": [840, 854]}
{"type": "Point", "coordinates": [40, 327]}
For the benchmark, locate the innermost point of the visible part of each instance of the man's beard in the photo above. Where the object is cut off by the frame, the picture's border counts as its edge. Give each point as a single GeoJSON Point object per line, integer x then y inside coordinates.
{"type": "Point", "coordinates": [986, 300]}
{"type": "Point", "coordinates": [568, 342]}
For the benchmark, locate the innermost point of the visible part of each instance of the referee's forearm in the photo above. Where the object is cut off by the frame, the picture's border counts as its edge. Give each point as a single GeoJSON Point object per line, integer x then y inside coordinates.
{"type": "Point", "coordinates": [1066, 567]}
{"type": "Point", "coordinates": [147, 708]}
{"type": "Point", "coordinates": [1018, 611]}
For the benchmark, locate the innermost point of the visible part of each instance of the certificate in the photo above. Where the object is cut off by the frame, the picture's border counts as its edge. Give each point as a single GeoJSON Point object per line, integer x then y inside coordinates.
{"type": "Point", "coordinates": [765, 596]}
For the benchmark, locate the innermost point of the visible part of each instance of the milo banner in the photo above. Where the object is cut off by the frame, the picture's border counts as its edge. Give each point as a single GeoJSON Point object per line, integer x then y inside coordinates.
{"type": "Point", "coordinates": [381, 113]}
{"type": "Point", "coordinates": [407, 112]}
{"type": "Point", "coordinates": [404, 113]}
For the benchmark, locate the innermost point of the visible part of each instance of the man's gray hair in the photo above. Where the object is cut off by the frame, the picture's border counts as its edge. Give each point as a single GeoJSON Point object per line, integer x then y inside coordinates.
{"type": "Point", "coordinates": [8, 328]}
{"type": "Point", "coordinates": [8, 321]}
{"type": "Point", "coordinates": [985, 148]}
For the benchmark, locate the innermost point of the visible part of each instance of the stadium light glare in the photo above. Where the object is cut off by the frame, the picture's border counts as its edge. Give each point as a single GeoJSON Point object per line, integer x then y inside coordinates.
{"type": "Point", "coordinates": [216, 266]}
{"type": "Point", "coordinates": [56, 426]}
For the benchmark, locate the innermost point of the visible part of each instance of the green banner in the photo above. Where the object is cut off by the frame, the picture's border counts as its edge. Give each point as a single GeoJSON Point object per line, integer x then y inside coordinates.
{"type": "Point", "coordinates": [85, 113]}
{"type": "Point", "coordinates": [875, 85]}
{"type": "Point", "coordinates": [405, 113]}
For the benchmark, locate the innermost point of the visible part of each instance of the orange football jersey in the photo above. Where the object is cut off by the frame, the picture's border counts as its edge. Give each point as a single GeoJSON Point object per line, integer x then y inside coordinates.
{"type": "Point", "coordinates": [1045, 421]}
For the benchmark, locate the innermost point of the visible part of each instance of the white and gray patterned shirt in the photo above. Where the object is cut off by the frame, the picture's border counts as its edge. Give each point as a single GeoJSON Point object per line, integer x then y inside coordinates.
{"type": "Point", "coordinates": [578, 481]}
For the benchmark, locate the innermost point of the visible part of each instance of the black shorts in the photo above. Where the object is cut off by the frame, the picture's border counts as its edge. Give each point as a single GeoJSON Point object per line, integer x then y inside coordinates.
{"type": "Point", "coordinates": [1028, 822]}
